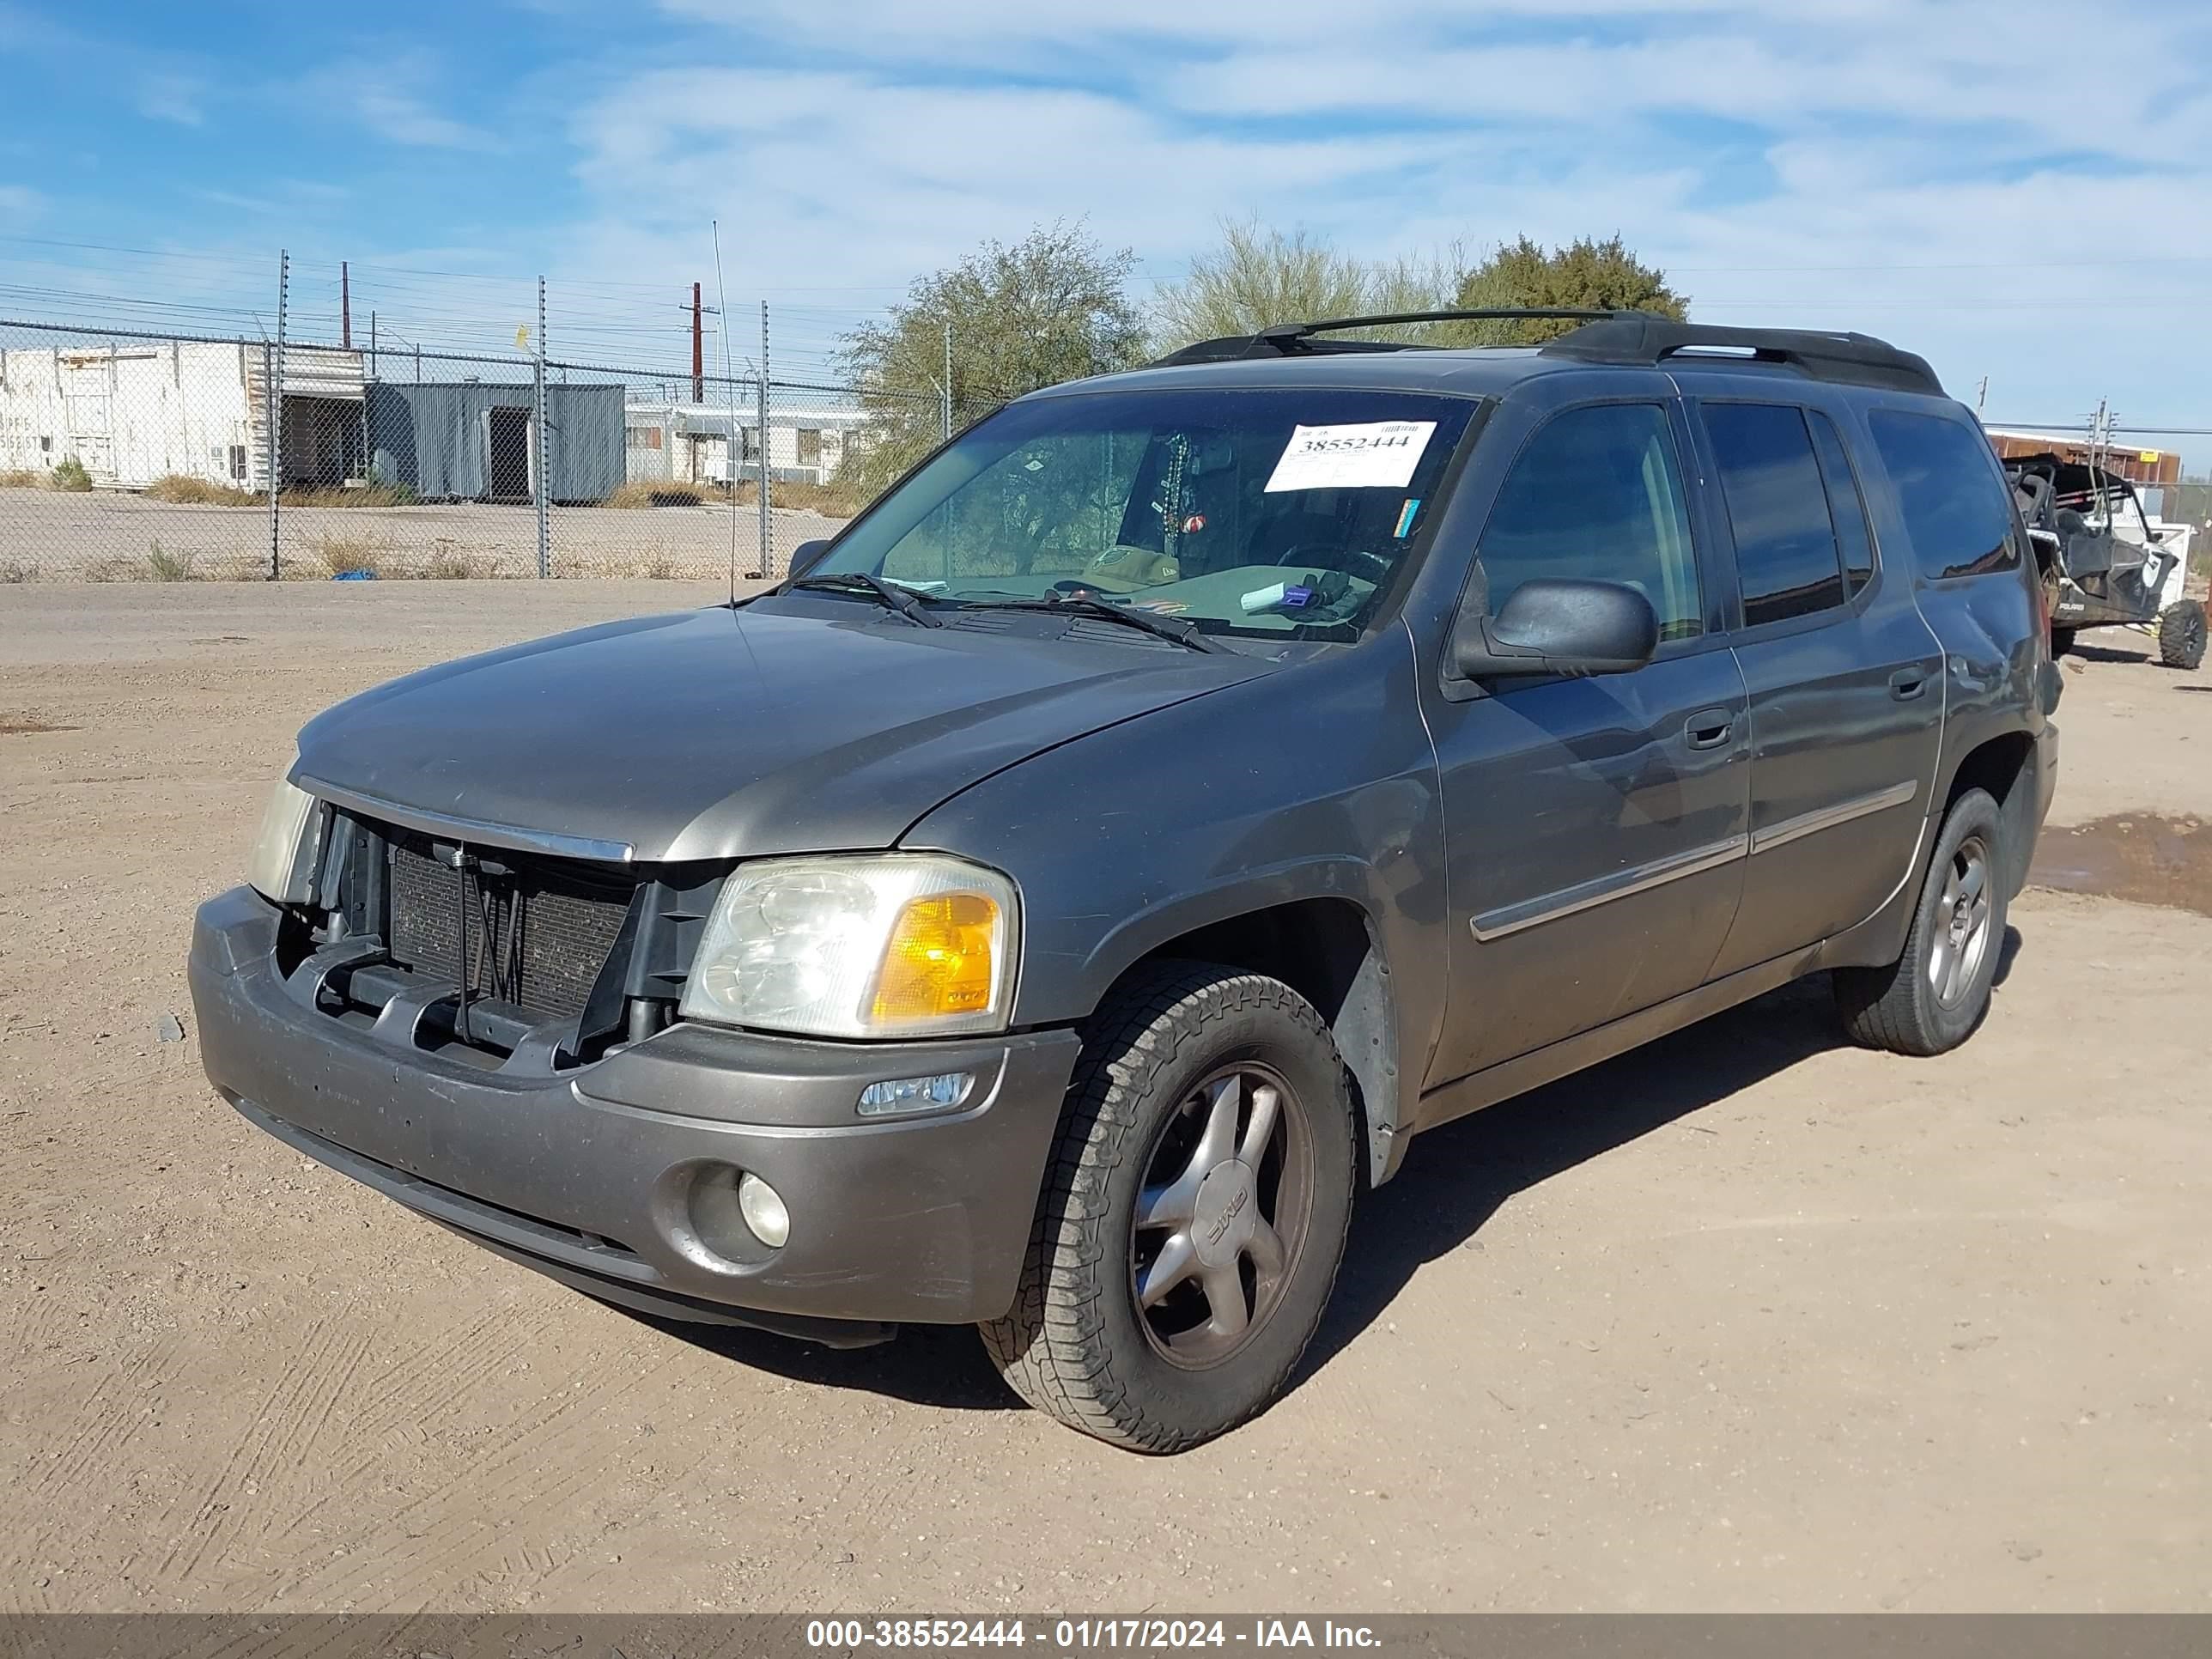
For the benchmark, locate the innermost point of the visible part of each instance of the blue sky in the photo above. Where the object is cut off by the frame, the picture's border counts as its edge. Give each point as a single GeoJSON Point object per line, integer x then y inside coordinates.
{"type": "Point", "coordinates": [1922, 171]}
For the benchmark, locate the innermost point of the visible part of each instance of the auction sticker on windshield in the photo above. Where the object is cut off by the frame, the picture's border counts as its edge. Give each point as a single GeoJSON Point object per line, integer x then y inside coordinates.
{"type": "Point", "coordinates": [1379, 454]}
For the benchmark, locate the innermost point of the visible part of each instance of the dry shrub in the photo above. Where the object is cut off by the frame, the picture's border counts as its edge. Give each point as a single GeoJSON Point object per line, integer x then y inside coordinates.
{"type": "Point", "coordinates": [373, 495]}
{"type": "Point", "coordinates": [163, 566]}
{"type": "Point", "coordinates": [181, 489]}
{"type": "Point", "coordinates": [68, 474]}
{"type": "Point", "coordinates": [447, 565]}
{"type": "Point", "coordinates": [15, 572]}
{"type": "Point", "coordinates": [831, 501]}
{"type": "Point", "coordinates": [664, 492]}
{"type": "Point", "coordinates": [22, 477]}
{"type": "Point", "coordinates": [346, 555]}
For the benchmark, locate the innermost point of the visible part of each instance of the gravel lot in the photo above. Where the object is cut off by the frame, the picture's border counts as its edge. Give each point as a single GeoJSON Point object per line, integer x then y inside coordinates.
{"type": "Point", "coordinates": [1745, 1320]}
{"type": "Point", "coordinates": [107, 535]}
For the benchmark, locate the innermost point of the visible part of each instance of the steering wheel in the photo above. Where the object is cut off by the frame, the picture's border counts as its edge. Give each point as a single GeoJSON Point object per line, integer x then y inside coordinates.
{"type": "Point", "coordinates": [1333, 556]}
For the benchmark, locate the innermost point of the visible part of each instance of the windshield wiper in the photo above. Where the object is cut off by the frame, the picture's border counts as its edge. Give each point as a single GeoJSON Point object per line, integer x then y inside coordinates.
{"type": "Point", "coordinates": [858, 582]}
{"type": "Point", "coordinates": [1185, 633]}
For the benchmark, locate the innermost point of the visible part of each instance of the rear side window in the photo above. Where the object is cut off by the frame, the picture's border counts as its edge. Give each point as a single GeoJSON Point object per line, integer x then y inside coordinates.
{"type": "Point", "coordinates": [1785, 545]}
{"type": "Point", "coordinates": [1845, 505]}
{"type": "Point", "coordinates": [1949, 491]}
{"type": "Point", "coordinates": [1597, 495]}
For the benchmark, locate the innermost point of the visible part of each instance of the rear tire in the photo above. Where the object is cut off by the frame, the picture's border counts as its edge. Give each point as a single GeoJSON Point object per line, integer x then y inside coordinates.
{"type": "Point", "coordinates": [1193, 1213]}
{"type": "Point", "coordinates": [2061, 641]}
{"type": "Point", "coordinates": [1933, 996]}
{"type": "Point", "coordinates": [2181, 634]}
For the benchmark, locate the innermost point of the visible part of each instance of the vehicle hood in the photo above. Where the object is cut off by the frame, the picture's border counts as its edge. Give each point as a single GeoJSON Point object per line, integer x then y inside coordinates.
{"type": "Point", "coordinates": [732, 733]}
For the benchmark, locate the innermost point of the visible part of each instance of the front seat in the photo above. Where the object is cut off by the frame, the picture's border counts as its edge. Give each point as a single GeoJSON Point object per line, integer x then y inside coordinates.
{"type": "Point", "coordinates": [2088, 552]}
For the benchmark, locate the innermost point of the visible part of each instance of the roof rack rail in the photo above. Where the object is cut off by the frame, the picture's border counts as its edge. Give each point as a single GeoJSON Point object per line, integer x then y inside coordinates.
{"type": "Point", "coordinates": [1644, 340]}
{"type": "Point", "coordinates": [1292, 339]}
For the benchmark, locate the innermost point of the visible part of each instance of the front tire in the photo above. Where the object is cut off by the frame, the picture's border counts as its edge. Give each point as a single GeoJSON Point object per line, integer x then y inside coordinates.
{"type": "Point", "coordinates": [2181, 634]}
{"type": "Point", "coordinates": [1194, 1215]}
{"type": "Point", "coordinates": [1930, 998]}
{"type": "Point", "coordinates": [2061, 641]}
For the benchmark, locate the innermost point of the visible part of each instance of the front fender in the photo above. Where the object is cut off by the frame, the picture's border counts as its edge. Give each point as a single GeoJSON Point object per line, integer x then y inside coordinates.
{"type": "Point", "coordinates": [1317, 782]}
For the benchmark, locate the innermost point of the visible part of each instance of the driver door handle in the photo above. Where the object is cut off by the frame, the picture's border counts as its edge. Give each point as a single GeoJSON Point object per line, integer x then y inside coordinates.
{"type": "Point", "coordinates": [1708, 728]}
{"type": "Point", "coordinates": [1907, 683]}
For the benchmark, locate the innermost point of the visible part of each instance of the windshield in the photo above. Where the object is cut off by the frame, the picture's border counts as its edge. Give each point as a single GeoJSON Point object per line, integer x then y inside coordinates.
{"type": "Point", "coordinates": [1270, 513]}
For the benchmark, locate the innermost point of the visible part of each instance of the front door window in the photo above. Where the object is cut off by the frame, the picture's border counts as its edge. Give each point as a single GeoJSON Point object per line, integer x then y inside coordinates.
{"type": "Point", "coordinates": [1597, 497]}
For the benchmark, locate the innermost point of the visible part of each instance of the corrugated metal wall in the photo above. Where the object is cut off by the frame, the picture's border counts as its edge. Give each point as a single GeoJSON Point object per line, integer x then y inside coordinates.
{"type": "Point", "coordinates": [443, 442]}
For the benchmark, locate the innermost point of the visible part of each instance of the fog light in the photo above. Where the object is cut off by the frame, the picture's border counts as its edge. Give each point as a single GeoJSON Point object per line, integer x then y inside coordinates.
{"type": "Point", "coordinates": [915, 1094]}
{"type": "Point", "coordinates": [762, 1208]}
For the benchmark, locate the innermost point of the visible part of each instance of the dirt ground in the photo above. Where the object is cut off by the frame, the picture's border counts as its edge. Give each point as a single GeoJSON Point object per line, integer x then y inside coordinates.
{"type": "Point", "coordinates": [1745, 1320]}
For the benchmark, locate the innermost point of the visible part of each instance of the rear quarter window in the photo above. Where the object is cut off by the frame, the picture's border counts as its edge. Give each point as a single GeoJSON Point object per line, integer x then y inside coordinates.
{"type": "Point", "coordinates": [1950, 492]}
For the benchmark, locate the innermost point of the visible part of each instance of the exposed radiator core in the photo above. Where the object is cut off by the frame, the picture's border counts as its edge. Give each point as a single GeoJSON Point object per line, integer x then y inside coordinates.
{"type": "Point", "coordinates": [536, 937]}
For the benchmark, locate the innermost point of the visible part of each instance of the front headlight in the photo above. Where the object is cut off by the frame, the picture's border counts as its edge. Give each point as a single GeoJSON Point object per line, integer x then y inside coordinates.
{"type": "Point", "coordinates": [282, 866]}
{"type": "Point", "coordinates": [859, 946]}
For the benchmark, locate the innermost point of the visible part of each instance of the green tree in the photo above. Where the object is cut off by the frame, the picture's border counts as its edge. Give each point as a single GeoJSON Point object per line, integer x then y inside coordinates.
{"type": "Point", "coordinates": [1259, 276]}
{"type": "Point", "coordinates": [1053, 307]}
{"type": "Point", "coordinates": [1586, 274]}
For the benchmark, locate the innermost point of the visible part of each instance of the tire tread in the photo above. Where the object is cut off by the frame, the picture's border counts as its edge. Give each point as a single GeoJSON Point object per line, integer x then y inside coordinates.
{"type": "Point", "coordinates": [2181, 628]}
{"type": "Point", "coordinates": [1890, 1007]}
{"type": "Point", "coordinates": [1052, 1346]}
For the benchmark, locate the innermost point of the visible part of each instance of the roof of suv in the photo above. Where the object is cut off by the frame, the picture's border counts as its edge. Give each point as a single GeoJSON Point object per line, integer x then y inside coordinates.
{"type": "Point", "coordinates": [1291, 353]}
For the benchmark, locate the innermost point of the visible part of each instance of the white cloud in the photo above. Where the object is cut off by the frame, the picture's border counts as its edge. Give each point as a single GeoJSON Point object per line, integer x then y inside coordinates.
{"type": "Point", "coordinates": [164, 95]}
{"type": "Point", "coordinates": [867, 179]}
{"type": "Point", "coordinates": [1932, 172]}
{"type": "Point", "coordinates": [391, 97]}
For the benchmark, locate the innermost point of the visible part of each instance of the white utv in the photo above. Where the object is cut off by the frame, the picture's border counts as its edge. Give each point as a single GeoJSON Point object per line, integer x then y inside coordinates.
{"type": "Point", "coordinates": [2104, 564]}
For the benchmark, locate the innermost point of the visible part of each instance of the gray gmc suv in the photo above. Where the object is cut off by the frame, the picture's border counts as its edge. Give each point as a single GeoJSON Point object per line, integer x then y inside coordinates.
{"type": "Point", "coordinates": [1048, 908]}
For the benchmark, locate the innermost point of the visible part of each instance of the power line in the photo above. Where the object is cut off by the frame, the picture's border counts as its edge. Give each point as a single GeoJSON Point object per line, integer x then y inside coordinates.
{"type": "Point", "coordinates": [1963, 264]}
{"type": "Point", "coordinates": [2082, 424]}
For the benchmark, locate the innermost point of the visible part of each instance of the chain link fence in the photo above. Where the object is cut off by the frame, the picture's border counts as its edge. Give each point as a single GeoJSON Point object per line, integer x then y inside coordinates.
{"type": "Point", "coordinates": [129, 456]}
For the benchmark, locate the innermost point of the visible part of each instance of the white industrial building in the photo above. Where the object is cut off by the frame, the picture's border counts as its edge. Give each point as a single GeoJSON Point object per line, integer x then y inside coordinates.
{"type": "Point", "coordinates": [131, 412]}
{"type": "Point", "coordinates": [690, 443]}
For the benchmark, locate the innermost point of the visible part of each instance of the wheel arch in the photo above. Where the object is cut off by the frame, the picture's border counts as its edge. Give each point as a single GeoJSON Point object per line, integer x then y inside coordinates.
{"type": "Point", "coordinates": [2002, 765]}
{"type": "Point", "coordinates": [1328, 949]}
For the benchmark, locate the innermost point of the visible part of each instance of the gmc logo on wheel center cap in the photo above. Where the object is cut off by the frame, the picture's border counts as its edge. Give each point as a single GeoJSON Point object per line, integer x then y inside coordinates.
{"type": "Point", "coordinates": [1236, 1208]}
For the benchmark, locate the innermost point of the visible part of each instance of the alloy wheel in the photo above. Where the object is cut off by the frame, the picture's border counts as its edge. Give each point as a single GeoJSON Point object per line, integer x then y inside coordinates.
{"type": "Point", "coordinates": [1962, 921]}
{"type": "Point", "coordinates": [1222, 1216]}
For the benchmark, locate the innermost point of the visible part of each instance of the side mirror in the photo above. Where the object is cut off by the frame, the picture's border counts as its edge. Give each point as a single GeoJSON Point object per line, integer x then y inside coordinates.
{"type": "Point", "coordinates": [1551, 626]}
{"type": "Point", "coordinates": [808, 554]}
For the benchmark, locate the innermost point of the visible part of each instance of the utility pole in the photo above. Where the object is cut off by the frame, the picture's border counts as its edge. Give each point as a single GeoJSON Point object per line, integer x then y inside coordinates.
{"type": "Point", "coordinates": [948, 379]}
{"type": "Point", "coordinates": [273, 373]}
{"type": "Point", "coordinates": [1981, 394]}
{"type": "Point", "coordinates": [765, 540]}
{"type": "Point", "coordinates": [367, 441]}
{"type": "Point", "coordinates": [345, 308]}
{"type": "Point", "coordinates": [698, 353]}
{"type": "Point", "coordinates": [537, 446]}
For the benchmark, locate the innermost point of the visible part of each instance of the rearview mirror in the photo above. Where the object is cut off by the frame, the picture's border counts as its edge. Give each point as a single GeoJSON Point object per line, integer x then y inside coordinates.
{"type": "Point", "coordinates": [1553, 626]}
{"type": "Point", "coordinates": [808, 554]}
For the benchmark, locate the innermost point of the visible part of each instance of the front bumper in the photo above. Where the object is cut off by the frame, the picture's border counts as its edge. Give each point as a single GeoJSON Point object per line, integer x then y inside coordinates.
{"type": "Point", "coordinates": [615, 1177]}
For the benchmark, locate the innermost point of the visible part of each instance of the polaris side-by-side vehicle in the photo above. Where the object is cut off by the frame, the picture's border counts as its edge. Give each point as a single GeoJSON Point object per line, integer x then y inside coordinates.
{"type": "Point", "coordinates": [1110, 855]}
{"type": "Point", "coordinates": [2103, 564]}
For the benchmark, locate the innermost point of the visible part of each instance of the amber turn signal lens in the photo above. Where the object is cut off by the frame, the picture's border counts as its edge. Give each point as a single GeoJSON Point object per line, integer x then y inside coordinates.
{"type": "Point", "coordinates": [940, 961]}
